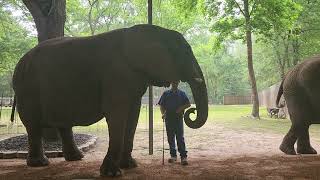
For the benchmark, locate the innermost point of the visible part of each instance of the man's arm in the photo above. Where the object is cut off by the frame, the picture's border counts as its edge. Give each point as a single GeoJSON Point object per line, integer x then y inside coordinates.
{"type": "Point", "coordinates": [163, 112]}
{"type": "Point", "coordinates": [182, 108]}
{"type": "Point", "coordinates": [186, 103]}
{"type": "Point", "coordinates": [161, 104]}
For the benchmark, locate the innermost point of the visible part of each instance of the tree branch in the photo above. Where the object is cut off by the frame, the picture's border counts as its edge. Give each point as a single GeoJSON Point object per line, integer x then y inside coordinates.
{"type": "Point", "coordinates": [53, 4]}
{"type": "Point", "coordinates": [33, 8]}
{"type": "Point", "coordinates": [239, 7]}
{"type": "Point", "coordinates": [311, 29]}
{"type": "Point", "coordinates": [253, 7]}
{"type": "Point", "coordinates": [92, 3]}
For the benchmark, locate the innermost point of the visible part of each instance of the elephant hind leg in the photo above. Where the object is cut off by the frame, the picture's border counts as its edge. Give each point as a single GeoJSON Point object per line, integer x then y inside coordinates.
{"type": "Point", "coordinates": [36, 157]}
{"type": "Point", "coordinates": [69, 148]}
{"type": "Point", "coordinates": [301, 113]}
{"type": "Point", "coordinates": [29, 112]}
{"type": "Point", "coordinates": [287, 145]}
{"type": "Point", "coordinates": [303, 144]}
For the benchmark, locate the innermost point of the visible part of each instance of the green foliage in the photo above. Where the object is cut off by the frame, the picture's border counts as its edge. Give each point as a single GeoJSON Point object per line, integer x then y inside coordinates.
{"type": "Point", "coordinates": [14, 42]}
{"type": "Point", "coordinates": [218, 66]}
{"type": "Point", "coordinates": [228, 16]}
{"type": "Point", "coordinates": [89, 17]}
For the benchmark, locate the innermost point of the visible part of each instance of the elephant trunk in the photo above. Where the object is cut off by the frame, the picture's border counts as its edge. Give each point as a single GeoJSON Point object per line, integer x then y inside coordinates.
{"type": "Point", "coordinates": [199, 92]}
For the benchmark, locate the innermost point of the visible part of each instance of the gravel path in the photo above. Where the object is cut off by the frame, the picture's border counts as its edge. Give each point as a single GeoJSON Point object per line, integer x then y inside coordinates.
{"type": "Point", "coordinates": [20, 143]}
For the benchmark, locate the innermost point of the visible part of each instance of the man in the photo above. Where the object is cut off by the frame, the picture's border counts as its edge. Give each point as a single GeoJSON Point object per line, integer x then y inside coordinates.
{"type": "Point", "coordinates": [172, 103]}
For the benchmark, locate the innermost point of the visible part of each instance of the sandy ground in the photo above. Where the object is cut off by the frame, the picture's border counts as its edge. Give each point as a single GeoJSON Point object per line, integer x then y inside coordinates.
{"type": "Point", "coordinates": [215, 152]}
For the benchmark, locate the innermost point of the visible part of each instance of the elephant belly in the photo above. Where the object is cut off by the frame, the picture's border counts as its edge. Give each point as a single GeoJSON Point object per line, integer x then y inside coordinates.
{"type": "Point", "coordinates": [66, 116]}
{"type": "Point", "coordinates": [76, 103]}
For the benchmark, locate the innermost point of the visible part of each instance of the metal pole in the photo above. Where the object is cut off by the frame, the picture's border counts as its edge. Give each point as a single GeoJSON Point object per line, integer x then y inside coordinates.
{"type": "Point", "coordinates": [1, 105]}
{"type": "Point", "coordinates": [162, 141]}
{"type": "Point", "coordinates": [150, 92]}
{"type": "Point", "coordinates": [146, 111]}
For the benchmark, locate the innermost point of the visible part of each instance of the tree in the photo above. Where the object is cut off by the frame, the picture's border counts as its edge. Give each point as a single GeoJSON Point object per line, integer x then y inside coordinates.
{"type": "Point", "coordinates": [49, 17]}
{"type": "Point", "coordinates": [14, 42]}
{"type": "Point", "coordinates": [239, 19]}
{"type": "Point", "coordinates": [296, 39]}
{"type": "Point", "coordinates": [305, 40]}
{"type": "Point", "coordinates": [90, 17]}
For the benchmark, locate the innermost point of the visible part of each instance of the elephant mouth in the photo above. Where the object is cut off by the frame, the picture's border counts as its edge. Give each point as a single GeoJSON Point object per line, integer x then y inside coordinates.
{"type": "Point", "coordinates": [160, 83]}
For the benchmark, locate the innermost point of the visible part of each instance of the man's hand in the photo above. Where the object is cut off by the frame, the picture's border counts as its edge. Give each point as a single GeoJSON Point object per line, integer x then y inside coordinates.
{"type": "Point", "coordinates": [163, 116]}
{"type": "Point", "coordinates": [163, 112]}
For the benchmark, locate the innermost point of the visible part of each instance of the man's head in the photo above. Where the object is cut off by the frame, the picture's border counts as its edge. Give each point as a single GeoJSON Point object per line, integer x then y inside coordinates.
{"type": "Point", "coordinates": [174, 85]}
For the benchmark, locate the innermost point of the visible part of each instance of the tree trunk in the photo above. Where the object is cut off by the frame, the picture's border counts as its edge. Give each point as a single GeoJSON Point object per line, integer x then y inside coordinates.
{"type": "Point", "coordinates": [295, 47]}
{"type": "Point", "coordinates": [90, 21]}
{"type": "Point", "coordinates": [49, 17]}
{"type": "Point", "coordinates": [280, 61]}
{"type": "Point", "coordinates": [254, 91]}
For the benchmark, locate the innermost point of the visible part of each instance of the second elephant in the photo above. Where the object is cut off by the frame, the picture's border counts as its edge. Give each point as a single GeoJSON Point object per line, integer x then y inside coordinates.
{"type": "Point", "coordinates": [301, 90]}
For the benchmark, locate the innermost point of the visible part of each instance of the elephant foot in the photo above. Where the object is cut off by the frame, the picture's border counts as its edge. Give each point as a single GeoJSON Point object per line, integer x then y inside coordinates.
{"type": "Point", "coordinates": [287, 149]}
{"type": "Point", "coordinates": [73, 156]}
{"type": "Point", "coordinates": [109, 168]}
{"type": "Point", "coordinates": [37, 161]}
{"type": "Point", "coordinates": [128, 163]}
{"type": "Point", "coordinates": [306, 150]}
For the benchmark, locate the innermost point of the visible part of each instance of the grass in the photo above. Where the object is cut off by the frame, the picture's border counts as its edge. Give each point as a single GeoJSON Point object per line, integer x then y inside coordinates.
{"type": "Point", "coordinates": [232, 116]}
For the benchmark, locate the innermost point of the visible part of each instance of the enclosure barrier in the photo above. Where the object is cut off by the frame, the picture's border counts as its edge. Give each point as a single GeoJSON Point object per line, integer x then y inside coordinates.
{"type": "Point", "coordinates": [236, 100]}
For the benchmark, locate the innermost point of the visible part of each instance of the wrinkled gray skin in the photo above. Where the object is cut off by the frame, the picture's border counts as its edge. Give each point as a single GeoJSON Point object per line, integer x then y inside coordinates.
{"type": "Point", "coordinates": [301, 87]}
{"type": "Point", "coordinates": [65, 82]}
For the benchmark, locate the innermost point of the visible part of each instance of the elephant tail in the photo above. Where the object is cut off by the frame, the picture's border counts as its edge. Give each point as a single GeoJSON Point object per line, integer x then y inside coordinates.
{"type": "Point", "coordinates": [13, 108]}
{"type": "Point", "coordinates": [280, 92]}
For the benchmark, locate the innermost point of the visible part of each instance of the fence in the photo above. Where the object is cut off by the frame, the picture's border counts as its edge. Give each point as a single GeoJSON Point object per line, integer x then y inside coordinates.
{"type": "Point", "coordinates": [8, 128]}
{"type": "Point", "coordinates": [236, 100]}
{"type": "Point", "coordinates": [268, 97]}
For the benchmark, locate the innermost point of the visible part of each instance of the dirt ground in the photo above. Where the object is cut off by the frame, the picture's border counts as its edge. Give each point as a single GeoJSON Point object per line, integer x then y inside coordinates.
{"type": "Point", "coordinates": [215, 152]}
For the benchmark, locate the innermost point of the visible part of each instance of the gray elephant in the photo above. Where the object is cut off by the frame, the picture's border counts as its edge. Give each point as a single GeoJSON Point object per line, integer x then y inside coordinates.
{"type": "Point", "coordinates": [301, 87]}
{"type": "Point", "coordinates": [68, 82]}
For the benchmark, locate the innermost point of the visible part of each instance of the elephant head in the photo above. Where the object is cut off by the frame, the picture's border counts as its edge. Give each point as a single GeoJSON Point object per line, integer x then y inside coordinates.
{"type": "Point", "coordinates": [164, 56]}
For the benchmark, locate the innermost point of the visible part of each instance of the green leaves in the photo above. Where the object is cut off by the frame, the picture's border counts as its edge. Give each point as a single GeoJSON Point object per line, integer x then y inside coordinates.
{"type": "Point", "coordinates": [14, 42]}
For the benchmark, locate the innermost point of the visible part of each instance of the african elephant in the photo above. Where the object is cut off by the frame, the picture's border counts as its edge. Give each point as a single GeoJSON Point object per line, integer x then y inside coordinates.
{"type": "Point", "coordinates": [301, 87]}
{"type": "Point", "coordinates": [77, 81]}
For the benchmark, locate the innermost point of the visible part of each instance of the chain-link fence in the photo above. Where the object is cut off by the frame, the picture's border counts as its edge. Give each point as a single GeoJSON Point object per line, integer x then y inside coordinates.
{"type": "Point", "coordinates": [8, 128]}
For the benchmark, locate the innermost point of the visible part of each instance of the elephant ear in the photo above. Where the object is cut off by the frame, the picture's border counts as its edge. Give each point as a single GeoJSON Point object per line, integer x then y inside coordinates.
{"type": "Point", "coordinates": [144, 54]}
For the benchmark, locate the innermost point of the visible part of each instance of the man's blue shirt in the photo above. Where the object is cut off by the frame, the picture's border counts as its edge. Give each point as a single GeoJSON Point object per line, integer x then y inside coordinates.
{"type": "Point", "coordinates": [172, 100]}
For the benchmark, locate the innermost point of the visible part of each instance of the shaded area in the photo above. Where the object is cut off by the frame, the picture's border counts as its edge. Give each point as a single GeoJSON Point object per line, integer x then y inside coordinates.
{"type": "Point", "coordinates": [20, 143]}
{"type": "Point", "coordinates": [215, 152]}
{"type": "Point", "coordinates": [241, 167]}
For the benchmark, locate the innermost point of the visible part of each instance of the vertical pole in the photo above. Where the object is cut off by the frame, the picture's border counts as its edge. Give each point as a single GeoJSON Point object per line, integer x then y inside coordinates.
{"type": "Point", "coordinates": [163, 141]}
{"type": "Point", "coordinates": [150, 92]}
{"type": "Point", "coordinates": [1, 105]}
{"type": "Point", "coordinates": [146, 111]}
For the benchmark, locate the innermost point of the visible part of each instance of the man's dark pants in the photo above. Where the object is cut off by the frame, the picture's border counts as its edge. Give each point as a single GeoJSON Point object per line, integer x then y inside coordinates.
{"type": "Point", "coordinates": [174, 127]}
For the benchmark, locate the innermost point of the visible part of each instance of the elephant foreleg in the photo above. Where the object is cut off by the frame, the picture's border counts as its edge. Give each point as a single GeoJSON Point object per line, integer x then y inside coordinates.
{"type": "Point", "coordinates": [69, 148]}
{"type": "Point", "coordinates": [303, 143]}
{"type": "Point", "coordinates": [116, 125]}
{"type": "Point", "coordinates": [126, 160]}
